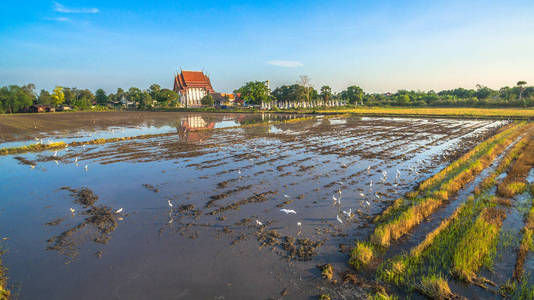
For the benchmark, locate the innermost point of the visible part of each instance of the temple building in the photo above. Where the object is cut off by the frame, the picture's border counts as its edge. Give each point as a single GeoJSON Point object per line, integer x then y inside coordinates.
{"type": "Point", "coordinates": [192, 86]}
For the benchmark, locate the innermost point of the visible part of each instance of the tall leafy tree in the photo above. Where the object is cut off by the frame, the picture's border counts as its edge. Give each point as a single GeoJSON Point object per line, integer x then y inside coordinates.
{"type": "Point", "coordinates": [145, 100]}
{"type": "Point", "coordinates": [521, 85]}
{"type": "Point", "coordinates": [100, 97]}
{"type": "Point", "coordinates": [167, 97]}
{"type": "Point", "coordinates": [14, 98]}
{"type": "Point", "coordinates": [326, 93]}
{"type": "Point", "coordinates": [44, 98]}
{"type": "Point", "coordinates": [154, 91]}
{"type": "Point", "coordinates": [254, 92]}
{"type": "Point", "coordinates": [353, 94]}
{"type": "Point", "coordinates": [57, 96]}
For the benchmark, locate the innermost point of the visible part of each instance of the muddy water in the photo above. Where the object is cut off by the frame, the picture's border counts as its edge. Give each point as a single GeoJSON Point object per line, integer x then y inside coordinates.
{"type": "Point", "coordinates": [225, 236]}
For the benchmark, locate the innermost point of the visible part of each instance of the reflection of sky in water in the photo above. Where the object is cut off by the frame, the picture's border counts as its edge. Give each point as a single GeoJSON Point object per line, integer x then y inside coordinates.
{"type": "Point", "coordinates": [129, 131]}
{"type": "Point", "coordinates": [82, 135]}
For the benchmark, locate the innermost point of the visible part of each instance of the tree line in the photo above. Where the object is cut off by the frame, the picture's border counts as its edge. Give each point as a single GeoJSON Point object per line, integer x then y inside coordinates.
{"type": "Point", "coordinates": [256, 92]}
{"type": "Point", "coordinates": [14, 98]}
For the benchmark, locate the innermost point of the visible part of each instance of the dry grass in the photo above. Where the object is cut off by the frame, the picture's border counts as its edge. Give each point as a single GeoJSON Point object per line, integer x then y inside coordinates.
{"type": "Point", "coordinates": [361, 255]}
{"type": "Point", "coordinates": [396, 228]}
{"type": "Point", "coordinates": [327, 272]}
{"type": "Point", "coordinates": [515, 181]}
{"type": "Point", "coordinates": [33, 148]}
{"type": "Point", "coordinates": [435, 287]}
{"type": "Point", "coordinates": [452, 112]}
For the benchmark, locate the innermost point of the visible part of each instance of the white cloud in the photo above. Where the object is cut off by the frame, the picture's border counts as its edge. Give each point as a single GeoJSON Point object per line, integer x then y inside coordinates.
{"type": "Point", "coordinates": [62, 9]}
{"type": "Point", "coordinates": [285, 63]}
{"type": "Point", "coordinates": [59, 19]}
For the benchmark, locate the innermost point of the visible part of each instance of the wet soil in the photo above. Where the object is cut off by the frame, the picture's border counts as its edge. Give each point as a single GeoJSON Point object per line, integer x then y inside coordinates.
{"type": "Point", "coordinates": [202, 209]}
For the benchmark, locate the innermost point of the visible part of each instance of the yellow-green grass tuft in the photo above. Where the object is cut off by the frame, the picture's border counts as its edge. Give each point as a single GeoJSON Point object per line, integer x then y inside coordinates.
{"type": "Point", "coordinates": [381, 296]}
{"type": "Point", "coordinates": [361, 255]}
{"type": "Point", "coordinates": [435, 287]}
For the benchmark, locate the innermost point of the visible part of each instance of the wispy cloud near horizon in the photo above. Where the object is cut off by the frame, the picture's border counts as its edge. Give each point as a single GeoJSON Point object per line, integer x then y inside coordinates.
{"type": "Point", "coordinates": [58, 19]}
{"type": "Point", "coordinates": [62, 9]}
{"type": "Point", "coordinates": [285, 63]}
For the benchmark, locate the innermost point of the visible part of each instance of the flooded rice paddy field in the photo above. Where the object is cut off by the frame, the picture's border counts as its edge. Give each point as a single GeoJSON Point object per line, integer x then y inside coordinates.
{"type": "Point", "coordinates": [208, 209]}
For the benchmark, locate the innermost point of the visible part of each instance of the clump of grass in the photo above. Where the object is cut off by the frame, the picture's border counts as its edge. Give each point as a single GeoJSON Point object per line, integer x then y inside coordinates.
{"type": "Point", "coordinates": [479, 242]}
{"type": "Point", "coordinates": [435, 287]}
{"type": "Point", "coordinates": [324, 297]}
{"type": "Point", "coordinates": [511, 189]}
{"type": "Point", "coordinates": [381, 296]}
{"type": "Point", "coordinates": [327, 272]}
{"type": "Point", "coordinates": [4, 293]}
{"type": "Point", "coordinates": [515, 181]}
{"type": "Point", "coordinates": [32, 148]}
{"type": "Point", "coordinates": [403, 223]}
{"type": "Point", "coordinates": [361, 255]}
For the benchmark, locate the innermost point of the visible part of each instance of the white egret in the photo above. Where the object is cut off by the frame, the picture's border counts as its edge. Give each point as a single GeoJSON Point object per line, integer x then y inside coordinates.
{"type": "Point", "coordinates": [288, 211]}
{"type": "Point", "coordinates": [170, 203]}
{"type": "Point", "coordinates": [339, 219]}
{"type": "Point", "coordinates": [118, 211]}
{"type": "Point", "coordinates": [259, 223]}
{"type": "Point", "coordinates": [72, 210]}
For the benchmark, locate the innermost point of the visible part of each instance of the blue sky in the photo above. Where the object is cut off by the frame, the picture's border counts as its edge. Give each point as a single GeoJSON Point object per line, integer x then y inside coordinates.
{"type": "Point", "coordinates": [378, 45]}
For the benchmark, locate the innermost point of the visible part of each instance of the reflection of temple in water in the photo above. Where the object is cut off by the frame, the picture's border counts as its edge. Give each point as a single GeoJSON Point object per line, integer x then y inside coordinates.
{"type": "Point", "coordinates": [192, 123]}
{"type": "Point", "coordinates": [193, 128]}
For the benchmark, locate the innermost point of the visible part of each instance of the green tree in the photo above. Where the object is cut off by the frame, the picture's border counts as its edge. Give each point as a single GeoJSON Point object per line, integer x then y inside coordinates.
{"type": "Point", "coordinates": [167, 97]}
{"type": "Point", "coordinates": [145, 100]}
{"type": "Point", "coordinates": [134, 94]}
{"type": "Point", "coordinates": [353, 94]}
{"type": "Point", "coordinates": [154, 91]}
{"type": "Point", "coordinates": [254, 92]}
{"type": "Point", "coordinates": [207, 100]}
{"type": "Point", "coordinates": [100, 97]}
{"type": "Point", "coordinates": [521, 85]}
{"type": "Point", "coordinates": [44, 98]}
{"type": "Point", "coordinates": [84, 98]}
{"type": "Point", "coordinates": [70, 95]}
{"type": "Point", "coordinates": [483, 92]}
{"type": "Point", "coordinates": [57, 96]}
{"type": "Point", "coordinates": [14, 98]}
{"type": "Point", "coordinates": [326, 93]}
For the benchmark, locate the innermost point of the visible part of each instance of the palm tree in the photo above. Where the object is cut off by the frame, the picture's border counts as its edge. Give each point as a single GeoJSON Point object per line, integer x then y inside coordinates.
{"type": "Point", "coordinates": [520, 84]}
